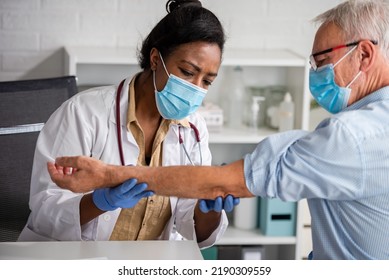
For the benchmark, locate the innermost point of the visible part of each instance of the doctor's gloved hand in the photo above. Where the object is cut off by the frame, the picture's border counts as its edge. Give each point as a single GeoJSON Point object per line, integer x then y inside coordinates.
{"type": "Point", "coordinates": [125, 195]}
{"type": "Point", "coordinates": [218, 204]}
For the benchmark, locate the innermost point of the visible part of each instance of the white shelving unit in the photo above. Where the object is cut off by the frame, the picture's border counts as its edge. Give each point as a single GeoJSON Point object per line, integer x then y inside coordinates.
{"type": "Point", "coordinates": [240, 136]}
{"type": "Point", "coordinates": [100, 66]}
{"type": "Point", "coordinates": [265, 68]}
{"type": "Point", "coordinates": [253, 237]}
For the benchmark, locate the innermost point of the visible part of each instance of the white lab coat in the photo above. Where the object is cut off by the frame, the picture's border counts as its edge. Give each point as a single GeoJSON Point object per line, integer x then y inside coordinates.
{"type": "Point", "coordinates": [86, 125]}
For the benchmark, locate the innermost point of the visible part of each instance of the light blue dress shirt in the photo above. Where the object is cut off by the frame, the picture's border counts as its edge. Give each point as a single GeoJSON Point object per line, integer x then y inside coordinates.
{"type": "Point", "coordinates": [342, 169]}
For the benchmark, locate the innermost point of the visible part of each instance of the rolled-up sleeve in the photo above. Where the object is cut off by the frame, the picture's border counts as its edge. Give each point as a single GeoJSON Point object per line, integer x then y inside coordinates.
{"type": "Point", "coordinates": [294, 165]}
{"type": "Point", "coordinates": [262, 163]}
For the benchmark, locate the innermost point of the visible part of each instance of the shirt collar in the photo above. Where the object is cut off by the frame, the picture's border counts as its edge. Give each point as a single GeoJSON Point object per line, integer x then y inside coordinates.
{"type": "Point", "coordinates": [379, 95]}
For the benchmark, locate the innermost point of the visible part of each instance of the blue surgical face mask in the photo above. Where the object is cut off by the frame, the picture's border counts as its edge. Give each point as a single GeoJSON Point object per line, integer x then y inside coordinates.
{"type": "Point", "coordinates": [179, 98]}
{"type": "Point", "coordinates": [326, 92]}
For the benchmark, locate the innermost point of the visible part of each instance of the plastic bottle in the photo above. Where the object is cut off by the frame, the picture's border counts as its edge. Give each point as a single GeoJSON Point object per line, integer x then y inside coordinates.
{"type": "Point", "coordinates": [274, 97]}
{"type": "Point", "coordinates": [236, 95]}
{"type": "Point", "coordinates": [286, 113]}
{"type": "Point", "coordinates": [256, 108]}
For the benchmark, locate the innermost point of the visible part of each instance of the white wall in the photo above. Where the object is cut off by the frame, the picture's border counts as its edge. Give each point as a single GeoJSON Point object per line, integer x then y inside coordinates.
{"type": "Point", "coordinates": [33, 32]}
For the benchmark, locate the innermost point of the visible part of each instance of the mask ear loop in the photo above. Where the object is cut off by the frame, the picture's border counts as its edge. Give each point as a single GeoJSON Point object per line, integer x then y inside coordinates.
{"type": "Point", "coordinates": [155, 85]}
{"type": "Point", "coordinates": [353, 80]}
{"type": "Point", "coordinates": [350, 51]}
{"type": "Point", "coordinates": [163, 63]}
{"type": "Point", "coordinates": [359, 73]}
{"type": "Point", "coordinates": [164, 66]}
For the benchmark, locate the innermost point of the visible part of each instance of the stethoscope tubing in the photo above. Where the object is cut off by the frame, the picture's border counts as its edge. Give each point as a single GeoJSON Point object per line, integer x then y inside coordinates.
{"type": "Point", "coordinates": [181, 141]}
{"type": "Point", "coordinates": [118, 125]}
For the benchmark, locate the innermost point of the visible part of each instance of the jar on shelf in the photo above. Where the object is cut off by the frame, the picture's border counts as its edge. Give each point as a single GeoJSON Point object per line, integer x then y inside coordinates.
{"type": "Point", "coordinates": [256, 104]}
{"type": "Point", "coordinates": [274, 97]}
{"type": "Point", "coordinates": [286, 113]}
{"type": "Point", "coordinates": [236, 95]}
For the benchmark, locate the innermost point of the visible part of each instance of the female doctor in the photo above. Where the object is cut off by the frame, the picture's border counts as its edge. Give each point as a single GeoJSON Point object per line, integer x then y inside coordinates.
{"type": "Point", "coordinates": [146, 120]}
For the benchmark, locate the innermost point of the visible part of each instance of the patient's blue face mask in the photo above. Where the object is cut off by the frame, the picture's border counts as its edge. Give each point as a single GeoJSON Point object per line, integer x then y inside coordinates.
{"type": "Point", "coordinates": [179, 98]}
{"type": "Point", "coordinates": [326, 92]}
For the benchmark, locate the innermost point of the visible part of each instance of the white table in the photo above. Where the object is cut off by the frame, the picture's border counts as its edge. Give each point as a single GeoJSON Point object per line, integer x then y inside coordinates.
{"type": "Point", "coordinates": [113, 250]}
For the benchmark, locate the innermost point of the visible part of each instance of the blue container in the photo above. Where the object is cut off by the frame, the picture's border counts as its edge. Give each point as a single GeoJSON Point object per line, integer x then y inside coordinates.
{"type": "Point", "coordinates": [276, 217]}
{"type": "Point", "coordinates": [209, 253]}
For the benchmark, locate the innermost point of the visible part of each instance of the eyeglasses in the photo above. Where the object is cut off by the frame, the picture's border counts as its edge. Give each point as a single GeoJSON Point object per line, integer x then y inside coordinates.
{"type": "Point", "coordinates": [312, 60]}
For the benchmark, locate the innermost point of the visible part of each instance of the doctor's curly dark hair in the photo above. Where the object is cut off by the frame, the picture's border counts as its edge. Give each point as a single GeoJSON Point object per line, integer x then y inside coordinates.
{"type": "Point", "coordinates": [187, 21]}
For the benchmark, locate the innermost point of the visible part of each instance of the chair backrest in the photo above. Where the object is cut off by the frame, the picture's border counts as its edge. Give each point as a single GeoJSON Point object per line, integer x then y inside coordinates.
{"type": "Point", "coordinates": [24, 108]}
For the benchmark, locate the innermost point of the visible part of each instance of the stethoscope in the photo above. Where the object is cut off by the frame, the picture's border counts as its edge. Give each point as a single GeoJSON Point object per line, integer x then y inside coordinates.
{"type": "Point", "coordinates": [180, 139]}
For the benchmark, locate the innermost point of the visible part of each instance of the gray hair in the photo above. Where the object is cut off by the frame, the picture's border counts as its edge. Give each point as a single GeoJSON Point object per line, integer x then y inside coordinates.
{"type": "Point", "coordinates": [361, 19]}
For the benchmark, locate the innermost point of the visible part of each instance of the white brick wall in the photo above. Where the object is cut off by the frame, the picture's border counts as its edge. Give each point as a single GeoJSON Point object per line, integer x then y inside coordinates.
{"type": "Point", "coordinates": [33, 32]}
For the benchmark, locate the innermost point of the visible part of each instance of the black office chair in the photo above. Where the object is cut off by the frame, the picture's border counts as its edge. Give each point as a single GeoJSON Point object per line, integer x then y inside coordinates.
{"type": "Point", "coordinates": [24, 107]}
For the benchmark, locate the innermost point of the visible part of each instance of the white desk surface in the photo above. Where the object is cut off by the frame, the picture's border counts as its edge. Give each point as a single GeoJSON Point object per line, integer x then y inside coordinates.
{"type": "Point", "coordinates": [113, 250]}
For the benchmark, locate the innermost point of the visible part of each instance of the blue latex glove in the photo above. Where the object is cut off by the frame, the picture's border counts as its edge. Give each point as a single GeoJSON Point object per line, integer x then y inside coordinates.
{"type": "Point", "coordinates": [125, 195]}
{"type": "Point", "coordinates": [218, 204]}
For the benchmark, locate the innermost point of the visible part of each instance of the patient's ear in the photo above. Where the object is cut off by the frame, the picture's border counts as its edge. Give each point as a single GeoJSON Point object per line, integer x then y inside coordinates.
{"type": "Point", "coordinates": [368, 54]}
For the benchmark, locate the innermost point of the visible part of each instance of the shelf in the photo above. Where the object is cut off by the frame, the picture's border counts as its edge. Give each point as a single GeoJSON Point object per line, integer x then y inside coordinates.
{"type": "Point", "coordinates": [234, 236]}
{"type": "Point", "coordinates": [239, 136]}
{"type": "Point", "coordinates": [102, 55]}
{"type": "Point", "coordinates": [99, 58]}
{"type": "Point", "coordinates": [127, 56]}
{"type": "Point", "coordinates": [261, 58]}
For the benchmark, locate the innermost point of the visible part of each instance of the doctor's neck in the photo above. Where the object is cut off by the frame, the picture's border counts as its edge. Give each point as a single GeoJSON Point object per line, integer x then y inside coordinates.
{"type": "Point", "coordinates": [144, 96]}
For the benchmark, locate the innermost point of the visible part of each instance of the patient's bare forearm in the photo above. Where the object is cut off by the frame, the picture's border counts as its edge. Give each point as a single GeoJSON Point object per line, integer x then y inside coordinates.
{"type": "Point", "coordinates": [206, 182]}
{"type": "Point", "coordinates": [188, 181]}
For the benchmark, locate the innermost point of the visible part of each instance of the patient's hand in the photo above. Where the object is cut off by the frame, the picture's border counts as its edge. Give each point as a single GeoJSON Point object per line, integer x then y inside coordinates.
{"type": "Point", "coordinates": [80, 174]}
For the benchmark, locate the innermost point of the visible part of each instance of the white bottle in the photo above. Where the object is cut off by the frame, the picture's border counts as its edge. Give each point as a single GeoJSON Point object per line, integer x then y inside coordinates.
{"type": "Point", "coordinates": [286, 113]}
{"type": "Point", "coordinates": [246, 213]}
{"type": "Point", "coordinates": [273, 115]}
{"type": "Point", "coordinates": [236, 96]}
{"type": "Point", "coordinates": [256, 108]}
